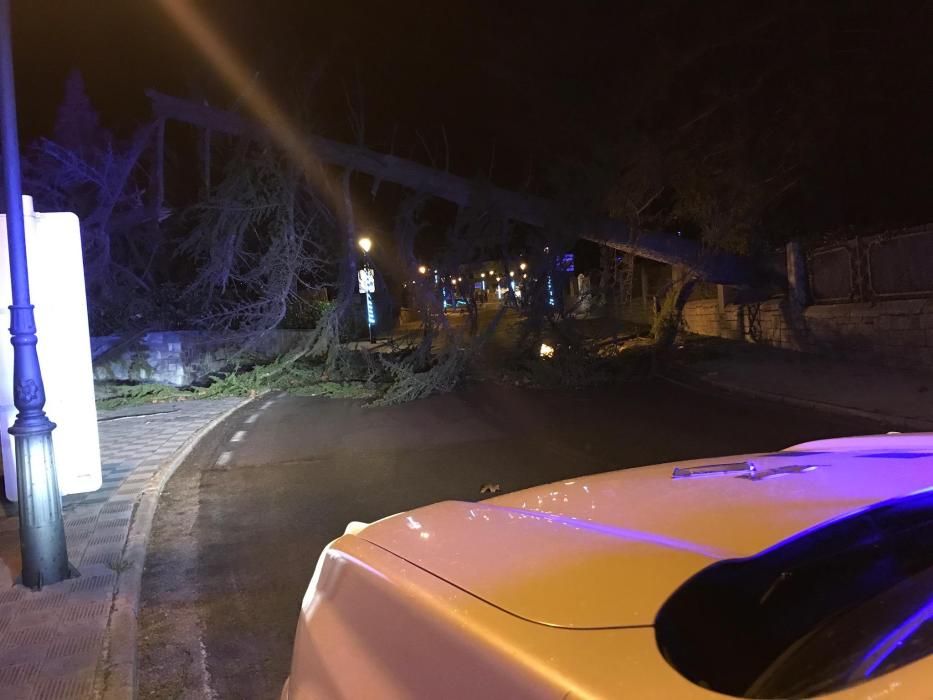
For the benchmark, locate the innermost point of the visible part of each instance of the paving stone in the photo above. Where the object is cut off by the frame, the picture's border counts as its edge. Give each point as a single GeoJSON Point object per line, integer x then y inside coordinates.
{"type": "Point", "coordinates": [82, 534]}
{"type": "Point", "coordinates": [11, 595]}
{"type": "Point", "coordinates": [30, 635]}
{"type": "Point", "coordinates": [73, 665]}
{"type": "Point", "coordinates": [78, 537]}
{"type": "Point", "coordinates": [119, 522]}
{"type": "Point", "coordinates": [83, 611]}
{"type": "Point", "coordinates": [42, 602]}
{"type": "Point", "coordinates": [109, 557]}
{"type": "Point", "coordinates": [17, 675]}
{"type": "Point", "coordinates": [26, 620]}
{"type": "Point", "coordinates": [81, 644]}
{"type": "Point", "coordinates": [118, 507]}
{"type": "Point", "coordinates": [93, 583]}
{"type": "Point", "coordinates": [86, 521]}
{"type": "Point", "coordinates": [80, 687]}
{"type": "Point", "coordinates": [108, 539]}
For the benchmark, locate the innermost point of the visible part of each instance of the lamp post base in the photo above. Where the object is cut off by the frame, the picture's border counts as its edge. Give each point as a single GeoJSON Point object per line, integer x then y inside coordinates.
{"type": "Point", "coordinates": [41, 527]}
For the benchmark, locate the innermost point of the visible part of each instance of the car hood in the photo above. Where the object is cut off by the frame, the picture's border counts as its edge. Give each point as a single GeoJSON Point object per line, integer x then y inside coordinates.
{"type": "Point", "coordinates": [607, 550]}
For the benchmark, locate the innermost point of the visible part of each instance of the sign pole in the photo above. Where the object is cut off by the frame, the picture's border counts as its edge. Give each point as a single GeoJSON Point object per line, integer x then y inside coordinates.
{"type": "Point", "coordinates": [41, 528]}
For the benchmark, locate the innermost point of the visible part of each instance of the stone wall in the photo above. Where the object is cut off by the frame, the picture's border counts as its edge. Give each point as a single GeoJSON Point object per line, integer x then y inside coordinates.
{"type": "Point", "coordinates": [704, 317]}
{"type": "Point", "coordinates": [637, 312]}
{"type": "Point", "coordinates": [180, 357]}
{"type": "Point", "coordinates": [898, 333]}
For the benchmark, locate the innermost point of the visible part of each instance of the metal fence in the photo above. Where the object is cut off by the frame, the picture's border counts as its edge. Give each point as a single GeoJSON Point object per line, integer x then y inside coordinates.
{"type": "Point", "coordinates": [890, 265]}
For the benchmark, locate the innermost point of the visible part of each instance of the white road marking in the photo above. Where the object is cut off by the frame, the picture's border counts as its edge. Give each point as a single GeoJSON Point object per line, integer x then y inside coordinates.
{"type": "Point", "coordinates": [238, 436]}
{"type": "Point", "coordinates": [265, 405]}
{"type": "Point", "coordinates": [252, 418]}
{"type": "Point", "coordinates": [224, 458]}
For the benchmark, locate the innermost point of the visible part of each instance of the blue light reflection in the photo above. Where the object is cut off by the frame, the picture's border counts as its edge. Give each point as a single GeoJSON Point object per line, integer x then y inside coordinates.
{"type": "Point", "coordinates": [891, 641]}
{"type": "Point", "coordinates": [624, 533]}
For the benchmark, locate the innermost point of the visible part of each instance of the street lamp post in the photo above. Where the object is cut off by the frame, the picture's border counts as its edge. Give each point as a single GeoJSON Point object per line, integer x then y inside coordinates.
{"type": "Point", "coordinates": [41, 528]}
{"type": "Point", "coordinates": [365, 244]}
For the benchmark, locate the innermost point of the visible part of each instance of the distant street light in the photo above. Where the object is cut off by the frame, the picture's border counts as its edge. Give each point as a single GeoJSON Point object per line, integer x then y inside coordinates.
{"type": "Point", "coordinates": [523, 266]}
{"type": "Point", "coordinates": [491, 273]}
{"type": "Point", "coordinates": [512, 273]}
{"type": "Point", "coordinates": [365, 244]}
{"type": "Point", "coordinates": [482, 274]}
{"type": "Point", "coordinates": [422, 269]}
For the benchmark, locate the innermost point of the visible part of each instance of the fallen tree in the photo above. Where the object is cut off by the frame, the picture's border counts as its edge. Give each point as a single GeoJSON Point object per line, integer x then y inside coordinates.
{"type": "Point", "coordinates": [702, 263]}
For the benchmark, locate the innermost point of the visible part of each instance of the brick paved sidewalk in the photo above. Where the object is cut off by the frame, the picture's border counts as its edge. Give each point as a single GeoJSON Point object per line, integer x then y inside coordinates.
{"type": "Point", "coordinates": [76, 639]}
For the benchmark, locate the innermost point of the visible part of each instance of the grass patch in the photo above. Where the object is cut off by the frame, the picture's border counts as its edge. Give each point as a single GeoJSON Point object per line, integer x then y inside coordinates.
{"type": "Point", "coordinates": [120, 395]}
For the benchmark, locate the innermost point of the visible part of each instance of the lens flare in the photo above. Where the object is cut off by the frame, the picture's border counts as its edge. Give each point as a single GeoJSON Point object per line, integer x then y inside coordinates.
{"type": "Point", "coordinates": [261, 105]}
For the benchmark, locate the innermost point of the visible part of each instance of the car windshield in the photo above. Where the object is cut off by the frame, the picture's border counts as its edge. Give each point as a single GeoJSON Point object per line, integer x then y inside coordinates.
{"type": "Point", "coordinates": [833, 607]}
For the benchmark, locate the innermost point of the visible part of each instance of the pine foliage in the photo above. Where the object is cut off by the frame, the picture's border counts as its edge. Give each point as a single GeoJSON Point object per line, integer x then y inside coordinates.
{"type": "Point", "coordinates": [259, 240]}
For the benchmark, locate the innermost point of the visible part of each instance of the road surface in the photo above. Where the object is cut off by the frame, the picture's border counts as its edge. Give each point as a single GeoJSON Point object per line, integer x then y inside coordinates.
{"type": "Point", "coordinates": [241, 524]}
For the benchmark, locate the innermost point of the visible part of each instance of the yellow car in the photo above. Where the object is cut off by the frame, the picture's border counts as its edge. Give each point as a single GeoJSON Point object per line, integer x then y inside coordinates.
{"type": "Point", "coordinates": [806, 572]}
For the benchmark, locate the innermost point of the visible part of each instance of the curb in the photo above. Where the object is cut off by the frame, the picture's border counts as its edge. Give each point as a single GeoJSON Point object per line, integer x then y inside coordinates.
{"type": "Point", "coordinates": [698, 384]}
{"type": "Point", "coordinates": [118, 666]}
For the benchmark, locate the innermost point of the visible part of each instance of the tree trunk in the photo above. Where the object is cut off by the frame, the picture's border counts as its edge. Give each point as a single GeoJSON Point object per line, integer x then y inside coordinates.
{"type": "Point", "coordinates": [668, 321]}
{"type": "Point", "coordinates": [158, 172]}
{"type": "Point", "coordinates": [714, 266]}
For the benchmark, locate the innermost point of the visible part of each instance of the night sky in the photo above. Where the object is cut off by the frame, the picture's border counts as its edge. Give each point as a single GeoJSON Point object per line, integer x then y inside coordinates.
{"type": "Point", "coordinates": [845, 86]}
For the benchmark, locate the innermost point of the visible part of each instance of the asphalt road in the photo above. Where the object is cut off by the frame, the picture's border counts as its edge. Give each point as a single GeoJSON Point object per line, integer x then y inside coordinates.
{"type": "Point", "coordinates": [241, 525]}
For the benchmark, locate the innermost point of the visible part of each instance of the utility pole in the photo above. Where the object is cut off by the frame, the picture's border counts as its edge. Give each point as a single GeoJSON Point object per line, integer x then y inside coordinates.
{"type": "Point", "coordinates": [41, 528]}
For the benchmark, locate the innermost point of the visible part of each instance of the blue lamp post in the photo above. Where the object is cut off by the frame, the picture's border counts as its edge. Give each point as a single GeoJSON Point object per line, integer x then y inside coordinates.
{"type": "Point", "coordinates": [41, 528]}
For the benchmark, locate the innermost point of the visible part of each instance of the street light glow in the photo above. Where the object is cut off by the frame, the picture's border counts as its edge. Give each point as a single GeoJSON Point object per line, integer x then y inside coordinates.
{"type": "Point", "coordinates": [365, 244]}
{"type": "Point", "coordinates": [512, 273]}
{"type": "Point", "coordinates": [422, 269]}
{"type": "Point", "coordinates": [482, 274]}
{"type": "Point", "coordinates": [523, 266]}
